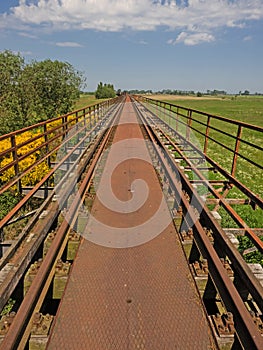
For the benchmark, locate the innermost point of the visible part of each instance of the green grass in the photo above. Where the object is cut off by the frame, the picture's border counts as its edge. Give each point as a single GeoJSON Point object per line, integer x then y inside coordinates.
{"type": "Point", "coordinates": [86, 100]}
{"type": "Point", "coordinates": [248, 109]}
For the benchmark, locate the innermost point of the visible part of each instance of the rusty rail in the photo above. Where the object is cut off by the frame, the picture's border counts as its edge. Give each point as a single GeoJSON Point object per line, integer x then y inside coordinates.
{"type": "Point", "coordinates": [247, 332]}
{"type": "Point", "coordinates": [18, 329]}
{"type": "Point", "coordinates": [47, 132]}
{"type": "Point", "coordinates": [210, 131]}
{"type": "Point", "coordinates": [245, 328]}
{"type": "Point", "coordinates": [84, 120]}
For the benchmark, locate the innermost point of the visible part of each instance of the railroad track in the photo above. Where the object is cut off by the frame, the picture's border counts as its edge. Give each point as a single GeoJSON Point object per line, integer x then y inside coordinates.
{"type": "Point", "coordinates": [230, 285]}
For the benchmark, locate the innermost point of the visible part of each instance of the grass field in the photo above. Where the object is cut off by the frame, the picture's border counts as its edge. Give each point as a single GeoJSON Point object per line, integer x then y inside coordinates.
{"type": "Point", "coordinates": [248, 109]}
{"type": "Point", "coordinates": [86, 100]}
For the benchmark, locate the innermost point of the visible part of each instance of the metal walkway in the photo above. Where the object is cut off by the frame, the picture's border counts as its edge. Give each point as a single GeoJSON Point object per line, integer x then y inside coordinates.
{"type": "Point", "coordinates": [122, 294]}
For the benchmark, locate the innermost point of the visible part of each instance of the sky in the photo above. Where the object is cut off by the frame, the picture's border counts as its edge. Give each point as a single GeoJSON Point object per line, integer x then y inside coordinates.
{"type": "Point", "coordinates": [195, 45]}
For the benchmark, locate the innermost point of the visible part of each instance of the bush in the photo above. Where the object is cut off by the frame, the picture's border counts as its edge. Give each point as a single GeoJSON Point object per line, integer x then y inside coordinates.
{"type": "Point", "coordinates": [105, 91]}
{"type": "Point", "coordinates": [37, 173]}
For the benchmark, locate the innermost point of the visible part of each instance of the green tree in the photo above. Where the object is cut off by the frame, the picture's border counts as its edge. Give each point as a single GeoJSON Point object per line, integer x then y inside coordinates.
{"type": "Point", "coordinates": [36, 91]}
{"type": "Point", "coordinates": [105, 91]}
{"type": "Point", "coordinates": [55, 86]}
{"type": "Point", "coordinates": [11, 66]}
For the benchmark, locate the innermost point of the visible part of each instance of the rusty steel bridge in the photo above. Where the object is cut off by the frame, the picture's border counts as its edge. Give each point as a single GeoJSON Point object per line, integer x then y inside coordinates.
{"type": "Point", "coordinates": [122, 242]}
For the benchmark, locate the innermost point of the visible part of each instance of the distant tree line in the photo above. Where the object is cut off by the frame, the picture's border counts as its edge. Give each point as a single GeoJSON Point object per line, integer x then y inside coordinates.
{"type": "Point", "coordinates": [214, 92]}
{"type": "Point", "coordinates": [33, 92]}
{"type": "Point", "coordinates": [179, 92]}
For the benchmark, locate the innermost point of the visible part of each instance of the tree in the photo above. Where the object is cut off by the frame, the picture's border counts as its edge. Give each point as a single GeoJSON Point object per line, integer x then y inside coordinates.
{"type": "Point", "coordinates": [11, 66]}
{"type": "Point", "coordinates": [246, 93]}
{"type": "Point", "coordinates": [36, 91]}
{"type": "Point", "coordinates": [105, 91]}
{"type": "Point", "coordinates": [56, 85]}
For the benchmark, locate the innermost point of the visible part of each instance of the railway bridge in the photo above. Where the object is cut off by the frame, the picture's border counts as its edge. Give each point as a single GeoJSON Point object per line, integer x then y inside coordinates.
{"type": "Point", "coordinates": [126, 230]}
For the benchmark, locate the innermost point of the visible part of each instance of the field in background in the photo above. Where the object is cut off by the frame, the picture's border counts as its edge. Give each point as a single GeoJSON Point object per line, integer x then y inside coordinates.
{"type": "Point", "coordinates": [248, 109]}
{"type": "Point", "coordinates": [86, 100]}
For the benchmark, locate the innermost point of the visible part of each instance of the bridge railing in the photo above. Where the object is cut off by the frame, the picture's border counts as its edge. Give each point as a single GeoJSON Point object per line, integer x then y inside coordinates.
{"type": "Point", "coordinates": [28, 155]}
{"type": "Point", "coordinates": [232, 146]}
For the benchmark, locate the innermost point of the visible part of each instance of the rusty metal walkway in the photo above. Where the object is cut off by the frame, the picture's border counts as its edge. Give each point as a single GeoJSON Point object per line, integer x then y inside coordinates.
{"type": "Point", "coordinates": [130, 286]}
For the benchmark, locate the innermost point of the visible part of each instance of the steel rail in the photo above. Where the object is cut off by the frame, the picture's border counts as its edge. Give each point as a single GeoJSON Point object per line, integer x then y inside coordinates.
{"type": "Point", "coordinates": [220, 199]}
{"type": "Point", "coordinates": [238, 262]}
{"type": "Point", "coordinates": [227, 120]}
{"type": "Point", "coordinates": [11, 214]}
{"type": "Point", "coordinates": [18, 159]}
{"type": "Point", "coordinates": [50, 121]}
{"type": "Point", "coordinates": [254, 197]}
{"type": "Point", "coordinates": [246, 330]}
{"type": "Point", "coordinates": [40, 230]}
{"type": "Point", "coordinates": [24, 313]}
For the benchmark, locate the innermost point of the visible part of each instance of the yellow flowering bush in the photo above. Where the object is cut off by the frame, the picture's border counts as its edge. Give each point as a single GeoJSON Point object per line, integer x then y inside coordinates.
{"type": "Point", "coordinates": [38, 172]}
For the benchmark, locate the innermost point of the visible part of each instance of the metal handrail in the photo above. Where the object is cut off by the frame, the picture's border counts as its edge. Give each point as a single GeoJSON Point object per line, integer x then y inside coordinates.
{"type": "Point", "coordinates": [186, 116]}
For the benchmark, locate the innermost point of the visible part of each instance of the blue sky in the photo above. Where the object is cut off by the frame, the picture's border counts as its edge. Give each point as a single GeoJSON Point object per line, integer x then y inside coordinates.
{"type": "Point", "coordinates": [146, 44]}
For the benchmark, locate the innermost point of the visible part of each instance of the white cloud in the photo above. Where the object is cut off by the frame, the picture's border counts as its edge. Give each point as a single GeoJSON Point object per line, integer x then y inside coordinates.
{"type": "Point", "coordinates": [247, 38]}
{"type": "Point", "coordinates": [201, 17]}
{"type": "Point", "coordinates": [143, 42]}
{"type": "Point", "coordinates": [68, 44]}
{"type": "Point", "coordinates": [192, 38]}
{"type": "Point", "coordinates": [28, 35]}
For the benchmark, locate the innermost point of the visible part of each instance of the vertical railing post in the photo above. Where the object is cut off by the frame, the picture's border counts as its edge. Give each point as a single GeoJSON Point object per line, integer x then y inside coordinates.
{"type": "Point", "coordinates": [165, 112]}
{"type": "Point", "coordinates": [47, 145]}
{"type": "Point", "coordinates": [207, 134]}
{"type": "Point", "coordinates": [97, 113]}
{"type": "Point", "coordinates": [189, 124]}
{"type": "Point", "coordinates": [65, 125]}
{"type": "Point", "coordinates": [177, 116]}
{"type": "Point", "coordinates": [87, 114]}
{"type": "Point", "coordinates": [234, 163]}
{"type": "Point", "coordinates": [84, 118]}
{"type": "Point", "coordinates": [16, 160]}
{"type": "Point", "coordinates": [94, 115]}
{"type": "Point", "coordinates": [46, 185]}
{"type": "Point", "coordinates": [77, 125]}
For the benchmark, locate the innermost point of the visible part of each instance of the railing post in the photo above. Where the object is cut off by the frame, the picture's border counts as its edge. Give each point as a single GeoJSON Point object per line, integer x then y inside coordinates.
{"type": "Point", "coordinates": [234, 164]}
{"type": "Point", "coordinates": [189, 124]}
{"type": "Point", "coordinates": [163, 110]}
{"type": "Point", "coordinates": [207, 134]}
{"type": "Point", "coordinates": [170, 114]}
{"type": "Point", "coordinates": [177, 116]}
{"type": "Point", "coordinates": [84, 117]}
{"type": "Point", "coordinates": [90, 120]}
{"type": "Point", "coordinates": [65, 125]}
{"type": "Point", "coordinates": [47, 145]}
{"type": "Point", "coordinates": [77, 124]}
{"type": "Point", "coordinates": [16, 159]}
